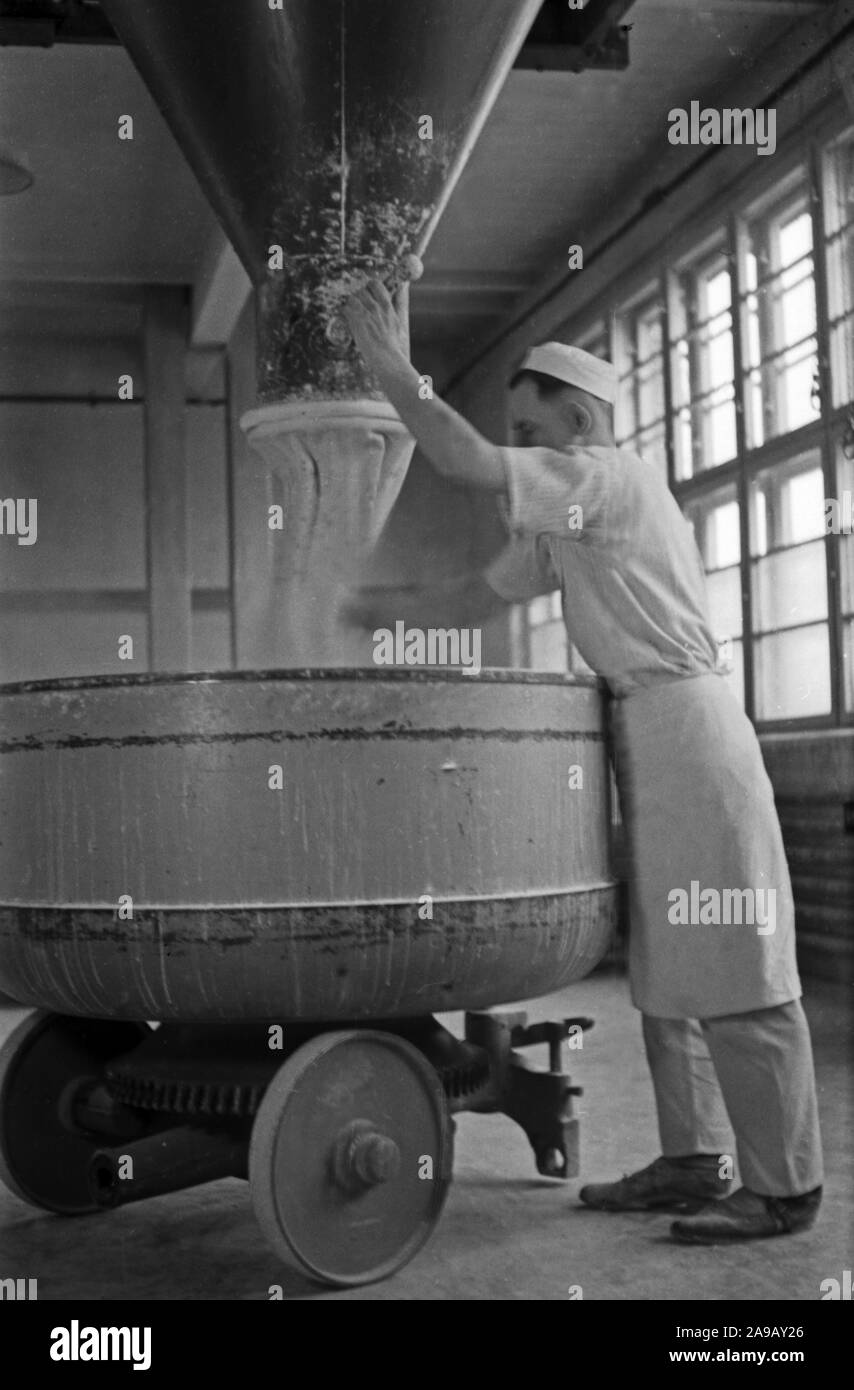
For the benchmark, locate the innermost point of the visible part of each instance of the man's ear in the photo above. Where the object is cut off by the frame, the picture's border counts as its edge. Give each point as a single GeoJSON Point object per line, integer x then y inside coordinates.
{"type": "Point", "coordinates": [582, 417]}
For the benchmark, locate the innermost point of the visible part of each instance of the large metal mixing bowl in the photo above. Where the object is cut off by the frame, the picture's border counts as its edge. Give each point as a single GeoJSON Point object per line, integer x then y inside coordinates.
{"type": "Point", "coordinates": [301, 845]}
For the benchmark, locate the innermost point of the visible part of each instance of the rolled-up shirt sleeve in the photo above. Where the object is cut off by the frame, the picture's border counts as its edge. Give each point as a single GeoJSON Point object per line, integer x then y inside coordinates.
{"type": "Point", "coordinates": [521, 571]}
{"type": "Point", "coordinates": [553, 492]}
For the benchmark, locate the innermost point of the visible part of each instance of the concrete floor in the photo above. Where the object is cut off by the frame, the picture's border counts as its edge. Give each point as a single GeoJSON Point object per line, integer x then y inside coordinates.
{"type": "Point", "coordinates": [505, 1232]}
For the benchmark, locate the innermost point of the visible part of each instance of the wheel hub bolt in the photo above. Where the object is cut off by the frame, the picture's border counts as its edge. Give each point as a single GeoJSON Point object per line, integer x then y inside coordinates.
{"type": "Point", "coordinates": [374, 1158]}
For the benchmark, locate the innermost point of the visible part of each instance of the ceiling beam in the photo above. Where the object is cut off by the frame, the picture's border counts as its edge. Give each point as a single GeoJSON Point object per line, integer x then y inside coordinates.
{"type": "Point", "coordinates": [464, 294]}
{"type": "Point", "coordinates": [220, 292]}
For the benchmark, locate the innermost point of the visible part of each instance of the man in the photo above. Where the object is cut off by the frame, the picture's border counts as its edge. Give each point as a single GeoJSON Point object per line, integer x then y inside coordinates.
{"type": "Point", "coordinates": [725, 1033]}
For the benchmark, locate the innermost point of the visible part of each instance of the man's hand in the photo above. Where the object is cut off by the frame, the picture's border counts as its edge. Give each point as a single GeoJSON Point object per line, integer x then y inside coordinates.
{"type": "Point", "coordinates": [375, 325]}
{"type": "Point", "coordinates": [451, 444]}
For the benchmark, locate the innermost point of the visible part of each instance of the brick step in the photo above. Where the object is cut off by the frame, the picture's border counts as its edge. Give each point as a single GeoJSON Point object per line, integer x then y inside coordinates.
{"type": "Point", "coordinates": [823, 888]}
{"type": "Point", "coordinates": [836, 921]}
{"type": "Point", "coordinates": [825, 958]}
{"type": "Point", "coordinates": [835, 859]}
{"type": "Point", "coordinates": [830, 825]}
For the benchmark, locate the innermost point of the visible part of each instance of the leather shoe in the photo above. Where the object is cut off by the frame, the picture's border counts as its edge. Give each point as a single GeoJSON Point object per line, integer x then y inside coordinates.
{"type": "Point", "coordinates": [747, 1215]}
{"type": "Point", "coordinates": [677, 1183]}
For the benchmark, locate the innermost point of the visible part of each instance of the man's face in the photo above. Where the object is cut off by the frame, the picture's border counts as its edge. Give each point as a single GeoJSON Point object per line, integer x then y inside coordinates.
{"type": "Point", "coordinates": [539, 423]}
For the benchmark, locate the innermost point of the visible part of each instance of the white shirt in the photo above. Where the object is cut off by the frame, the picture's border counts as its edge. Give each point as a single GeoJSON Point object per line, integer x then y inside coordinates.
{"type": "Point", "coordinates": [604, 528]}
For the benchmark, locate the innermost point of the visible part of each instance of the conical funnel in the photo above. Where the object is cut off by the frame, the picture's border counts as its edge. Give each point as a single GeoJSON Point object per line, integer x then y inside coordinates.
{"type": "Point", "coordinates": [332, 128]}
{"type": "Point", "coordinates": [328, 135]}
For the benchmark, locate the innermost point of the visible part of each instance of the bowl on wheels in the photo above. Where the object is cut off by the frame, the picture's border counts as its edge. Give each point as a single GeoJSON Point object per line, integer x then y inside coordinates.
{"type": "Point", "coordinates": [286, 871]}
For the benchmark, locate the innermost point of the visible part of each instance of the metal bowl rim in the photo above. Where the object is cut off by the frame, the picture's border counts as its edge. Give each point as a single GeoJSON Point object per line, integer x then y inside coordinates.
{"type": "Point", "coordinates": [433, 675]}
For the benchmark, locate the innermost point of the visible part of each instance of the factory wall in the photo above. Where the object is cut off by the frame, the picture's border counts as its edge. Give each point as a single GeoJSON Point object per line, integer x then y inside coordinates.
{"type": "Point", "coordinates": [813, 777]}
{"type": "Point", "coordinates": [68, 442]}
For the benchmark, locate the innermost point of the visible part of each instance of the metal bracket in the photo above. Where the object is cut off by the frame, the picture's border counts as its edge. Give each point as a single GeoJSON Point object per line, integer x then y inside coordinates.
{"type": "Point", "coordinates": [539, 1101]}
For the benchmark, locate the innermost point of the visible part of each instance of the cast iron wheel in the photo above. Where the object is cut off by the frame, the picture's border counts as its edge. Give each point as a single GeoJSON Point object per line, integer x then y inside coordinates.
{"type": "Point", "coordinates": [42, 1160]}
{"type": "Point", "coordinates": [338, 1160]}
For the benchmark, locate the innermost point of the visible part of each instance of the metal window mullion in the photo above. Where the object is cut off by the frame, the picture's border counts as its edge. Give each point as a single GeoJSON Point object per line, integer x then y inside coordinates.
{"type": "Point", "coordinates": [793, 627]}
{"type": "Point", "coordinates": [788, 549]}
{"type": "Point", "coordinates": [769, 359]}
{"type": "Point", "coordinates": [636, 366]}
{"type": "Point", "coordinates": [828, 445]}
{"type": "Point", "coordinates": [666, 376]}
{"type": "Point", "coordinates": [767, 313]}
{"type": "Point", "coordinates": [765, 282]}
{"type": "Point", "coordinates": [701, 399]}
{"type": "Point", "coordinates": [695, 378]}
{"type": "Point", "coordinates": [708, 481]}
{"type": "Point", "coordinates": [741, 387]}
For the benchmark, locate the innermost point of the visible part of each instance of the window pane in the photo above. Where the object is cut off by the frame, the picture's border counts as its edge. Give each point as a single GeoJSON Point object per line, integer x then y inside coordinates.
{"type": "Point", "coordinates": [848, 666]}
{"type": "Point", "coordinates": [790, 587]}
{"type": "Point", "coordinates": [716, 528]}
{"type": "Point", "coordinates": [650, 392]}
{"type": "Point", "coordinates": [789, 590]}
{"type": "Point", "coordinates": [724, 590]}
{"type": "Point", "coordinates": [544, 609]}
{"type": "Point", "coordinates": [793, 674]}
{"type": "Point", "coordinates": [840, 268]}
{"type": "Point", "coordinates": [648, 332]}
{"type": "Point", "coordinates": [780, 322]}
{"type": "Point", "coordinates": [651, 446]}
{"type": "Point", "coordinates": [839, 183]}
{"type": "Point", "coordinates": [549, 647]}
{"type": "Point", "coordinates": [640, 364]}
{"type": "Point", "coordinates": [795, 238]}
{"type": "Point", "coordinates": [839, 222]}
{"type": "Point", "coordinates": [845, 519]}
{"type": "Point", "coordinates": [702, 357]}
{"type": "Point", "coordinates": [846, 551]}
{"type": "Point", "coordinates": [715, 519]}
{"type": "Point", "coordinates": [726, 537]}
{"type": "Point", "coordinates": [804, 494]}
{"type": "Point", "coordinates": [787, 504]}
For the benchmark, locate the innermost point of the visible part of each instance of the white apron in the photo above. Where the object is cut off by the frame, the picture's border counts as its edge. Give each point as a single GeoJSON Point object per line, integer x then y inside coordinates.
{"type": "Point", "coordinates": [699, 813]}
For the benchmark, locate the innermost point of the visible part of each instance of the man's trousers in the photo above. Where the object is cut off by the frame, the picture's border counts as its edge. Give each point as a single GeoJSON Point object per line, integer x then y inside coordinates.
{"type": "Point", "coordinates": [749, 1075]}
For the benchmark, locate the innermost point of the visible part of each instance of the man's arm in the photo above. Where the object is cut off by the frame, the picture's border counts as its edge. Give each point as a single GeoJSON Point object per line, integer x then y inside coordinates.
{"type": "Point", "coordinates": [451, 444]}
{"type": "Point", "coordinates": [464, 602]}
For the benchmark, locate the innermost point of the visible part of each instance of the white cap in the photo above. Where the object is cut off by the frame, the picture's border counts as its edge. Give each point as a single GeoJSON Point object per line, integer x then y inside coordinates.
{"type": "Point", "coordinates": [574, 366]}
